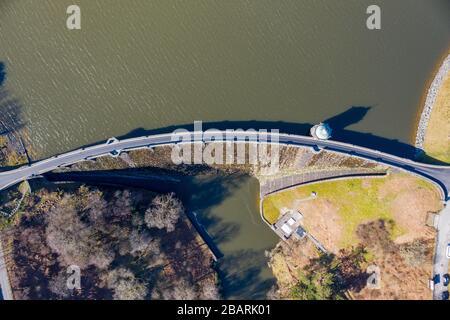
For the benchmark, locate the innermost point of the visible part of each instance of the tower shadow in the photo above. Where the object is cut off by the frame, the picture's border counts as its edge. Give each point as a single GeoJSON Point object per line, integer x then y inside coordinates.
{"type": "Point", "coordinates": [351, 116]}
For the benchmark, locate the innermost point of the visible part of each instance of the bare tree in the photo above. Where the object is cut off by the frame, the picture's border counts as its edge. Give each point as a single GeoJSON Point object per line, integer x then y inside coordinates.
{"type": "Point", "coordinates": [125, 285]}
{"type": "Point", "coordinates": [414, 253]}
{"type": "Point", "coordinates": [142, 242]}
{"type": "Point", "coordinates": [74, 241]}
{"type": "Point", "coordinates": [58, 285]}
{"type": "Point", "coordinates": [209, 291]}
{"type": "Point", "coordinates": [164, 212]}
{"type": "Point", "coordinates": [180, 290]}
{"type": "Point", "coordinates": [120, 208]}
{"type": "Point", "coordinates": [95, 205]}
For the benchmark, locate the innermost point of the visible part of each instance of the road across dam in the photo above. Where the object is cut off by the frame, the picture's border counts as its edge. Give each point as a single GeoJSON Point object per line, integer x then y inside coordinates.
{"type": "Point", "coordinates": [439, 175]}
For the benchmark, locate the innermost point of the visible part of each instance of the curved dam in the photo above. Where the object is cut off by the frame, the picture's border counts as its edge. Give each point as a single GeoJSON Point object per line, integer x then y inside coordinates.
{"type": "Point", "coordinates": [439, 175]}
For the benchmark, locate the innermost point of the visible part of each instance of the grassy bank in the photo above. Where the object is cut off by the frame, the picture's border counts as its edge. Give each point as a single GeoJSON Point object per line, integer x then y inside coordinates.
{"type": "Point", "coordinates": [341, 206]}
{"type": "Point", "coordinates": [360, 222]}
{"type": "Point", "coordinates": [437, 135]}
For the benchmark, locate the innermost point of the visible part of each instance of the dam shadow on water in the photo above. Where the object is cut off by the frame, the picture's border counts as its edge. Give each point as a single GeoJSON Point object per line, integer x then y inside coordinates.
{"type": "Point", "coordinates": [338, 123]}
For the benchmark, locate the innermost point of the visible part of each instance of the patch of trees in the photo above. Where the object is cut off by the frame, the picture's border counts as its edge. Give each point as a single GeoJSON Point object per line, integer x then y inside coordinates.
{"type": "Point", "coordinates": [76, 242]}
{"type": "Point", "coordinates": [164, 212]}
{"type": "Point", "coordinates": [124, 243]}
{"type": "Point", "coordinates": [377, 236]}
{"type": "Point", "coordinates": [182, 289]}
{"type": "Point", "coordinates": [331, 276]}
{"type": "Point", "coordinates": [125, 285]}
{"type": "Point", "coordinates": [415, 253]}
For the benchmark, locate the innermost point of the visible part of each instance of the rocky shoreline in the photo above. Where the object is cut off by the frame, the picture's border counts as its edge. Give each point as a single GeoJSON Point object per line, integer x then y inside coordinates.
{"type": "Point", "coordinates": [430, 101]}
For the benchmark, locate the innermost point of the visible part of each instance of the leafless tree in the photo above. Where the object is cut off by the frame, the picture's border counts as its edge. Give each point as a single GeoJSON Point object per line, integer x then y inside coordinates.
{"type": "Point", "coordinates": [164, 212]}
{"type": "Point", "coordinates": [74, 241]}
{"type": "Point", "coordinates": [125, 285]}
{"type": "Point", "coordinates": [141, 242]}
{"type": "Point", "coordinates": [95, 206]}
{"type": "Point", "coordinates": [209, 291]}
{"type": "Point", "coordinates": [58, 285]}
{"type": "Point", "coordinates": [414, 253]}
{"type": "Point", "coordinates": [180, 290]}
{"type": "Point", "coordinates": [120, 208]}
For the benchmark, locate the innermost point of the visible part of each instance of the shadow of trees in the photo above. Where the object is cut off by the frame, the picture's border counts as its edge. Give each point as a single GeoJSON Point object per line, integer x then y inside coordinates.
{"type": "Point", "coordinates": [11, 116]}
{"type": "Point", "coordinates": [199, 193]}
{"type": "Point", "coordinates": [204, 193]}
{"type": "Point", "coordinates": [247, 280]}
{"type": "Point", "coordinates": [2, 73]}
{"type": "Point", "coordinates": [11, 121]}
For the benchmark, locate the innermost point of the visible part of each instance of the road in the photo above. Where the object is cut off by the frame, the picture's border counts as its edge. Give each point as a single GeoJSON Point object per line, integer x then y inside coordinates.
{"type": "Point", "coordinates": [4, 280]}
{"type": "Point", "coordinates": [439, 175]}
{"type": "Point", "coordinates": [440, 264]}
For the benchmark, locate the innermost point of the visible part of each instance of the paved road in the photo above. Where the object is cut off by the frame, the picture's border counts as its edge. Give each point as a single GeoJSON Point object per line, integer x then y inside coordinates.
{"type": "Point", "coordinates": [438, 174]}
{"type": "Point", "coordinates": [440, 258]}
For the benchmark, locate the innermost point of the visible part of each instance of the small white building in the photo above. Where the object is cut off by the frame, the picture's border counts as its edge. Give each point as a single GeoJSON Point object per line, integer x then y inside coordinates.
{"type": "Point", "coordinates": [288, 223]}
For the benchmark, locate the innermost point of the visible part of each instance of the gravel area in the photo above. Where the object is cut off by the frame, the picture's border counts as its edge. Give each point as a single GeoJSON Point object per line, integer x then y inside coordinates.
{"type": "Point", "coordinates": [430, 101]}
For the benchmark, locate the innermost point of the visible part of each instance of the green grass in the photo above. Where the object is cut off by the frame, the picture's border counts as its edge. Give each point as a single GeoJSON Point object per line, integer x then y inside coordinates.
{"type": "Point", "coordinates": [271, 212]}
{"type": "Point", "coordinates": [356, 203]}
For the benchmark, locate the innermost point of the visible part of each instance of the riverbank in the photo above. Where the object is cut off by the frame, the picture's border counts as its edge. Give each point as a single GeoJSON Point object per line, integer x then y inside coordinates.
{"type": "Point", "coordinates": [437, 136]}
{"type": "Point", "coordinates": [378, 221]}
{"type": "Point", "coordinates": [433, 129]}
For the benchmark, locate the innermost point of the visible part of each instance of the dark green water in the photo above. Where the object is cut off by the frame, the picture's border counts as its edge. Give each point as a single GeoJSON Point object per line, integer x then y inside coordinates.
{"type": "Point", "coordinates": [228, 206]}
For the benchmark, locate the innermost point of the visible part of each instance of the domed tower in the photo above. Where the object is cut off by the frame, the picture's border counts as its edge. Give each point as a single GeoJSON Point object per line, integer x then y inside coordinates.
{"type": "Point", "coordinates": [321, 131]}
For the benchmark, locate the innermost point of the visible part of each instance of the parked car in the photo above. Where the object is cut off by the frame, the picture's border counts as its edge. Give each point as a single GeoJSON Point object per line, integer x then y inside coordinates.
{"type": "Point", "coordinates": [436, 279]}
{"type": "Point", "coordinates": [431, 284]}
{"type": "Point", "coordinates": [445, 295]}
{"type": "Point", "coordinates": [446, 278]}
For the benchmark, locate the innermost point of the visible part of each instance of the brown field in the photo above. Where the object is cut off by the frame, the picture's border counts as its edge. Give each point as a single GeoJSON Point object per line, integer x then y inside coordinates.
{"type": "Point", "coordinates": [344, 208]}
{"type": "Point", "coordinates": [437, 136]}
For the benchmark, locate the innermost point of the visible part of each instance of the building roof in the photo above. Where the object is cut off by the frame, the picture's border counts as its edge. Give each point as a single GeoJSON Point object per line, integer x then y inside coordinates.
{"type": "Point", "coordinates": [286, 229]}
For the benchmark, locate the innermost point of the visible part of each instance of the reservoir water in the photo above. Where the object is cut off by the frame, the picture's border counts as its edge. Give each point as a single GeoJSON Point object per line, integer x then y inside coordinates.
{"type": "Point", "coordinates": [228, 207]}
{"type": "Point", "coordinates": [151, 64]}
